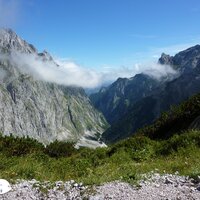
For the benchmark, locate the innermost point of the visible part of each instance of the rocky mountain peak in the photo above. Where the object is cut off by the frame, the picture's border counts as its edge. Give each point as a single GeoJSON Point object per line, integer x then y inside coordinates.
{"type": "Point", "coordinates": [184, 61]}
{"type": "Point", "coordinates": [9, 40]}
{"type": "Point", "coordinates": [165, 59]}
{"type": "Point", "coordinates": [45, 55]}
{"type": "Point", "coordinates": [140, 76]}
{"type": "Point", "coordinates": [187, 59]}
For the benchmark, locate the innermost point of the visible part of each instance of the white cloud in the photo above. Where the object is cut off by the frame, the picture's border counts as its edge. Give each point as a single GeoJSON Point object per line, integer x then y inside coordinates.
{"type": "Point", "coordinates": [157, 71]}
{"type": "Point", "coordinates": [9, 12]}
{"type": "Point", "coordinates": [70, 73]}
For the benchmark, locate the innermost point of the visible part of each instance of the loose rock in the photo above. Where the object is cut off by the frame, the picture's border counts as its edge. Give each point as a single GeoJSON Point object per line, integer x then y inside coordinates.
{"type": "Point", "coordinates": [154, 186]}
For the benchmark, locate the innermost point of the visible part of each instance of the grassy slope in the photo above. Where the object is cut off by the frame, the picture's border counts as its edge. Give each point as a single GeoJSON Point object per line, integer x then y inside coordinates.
{"type": "Point", "coordinates": [125, 161]}
{"type": "Point", "coordinates": [155, 147]}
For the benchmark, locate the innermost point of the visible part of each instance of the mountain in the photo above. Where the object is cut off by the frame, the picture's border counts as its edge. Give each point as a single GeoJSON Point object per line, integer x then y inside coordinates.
{"type": "Point", "coordinates": [115, 100]}
{"type": "Point", "coordinates": [185, 61]}
{"type": "Point", "coordinates": [38, 109]}
{"type": "Point", "coordinates": [147, 109]}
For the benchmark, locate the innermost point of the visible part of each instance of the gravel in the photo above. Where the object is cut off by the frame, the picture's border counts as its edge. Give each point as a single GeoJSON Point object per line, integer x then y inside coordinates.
{"type": "Point", "coordinates": [152, 186]}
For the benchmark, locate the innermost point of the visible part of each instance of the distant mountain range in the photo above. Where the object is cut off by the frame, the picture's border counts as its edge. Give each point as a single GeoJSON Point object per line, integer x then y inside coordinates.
{"type": "Point", "coordinates": [42, 110]}
{"type": "Point", "coordinates": [129, 104]}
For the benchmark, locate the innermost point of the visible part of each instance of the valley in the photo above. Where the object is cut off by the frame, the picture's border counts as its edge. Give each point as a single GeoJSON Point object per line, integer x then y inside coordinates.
{"type": "Point", "coordinates": [99, 100]}
{"type": "Point", "coordinates": [134, 127]}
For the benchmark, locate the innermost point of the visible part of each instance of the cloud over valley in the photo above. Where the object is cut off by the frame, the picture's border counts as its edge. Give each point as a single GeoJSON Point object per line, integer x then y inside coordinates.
{"type": "Point", "coordinates": [71, 74]}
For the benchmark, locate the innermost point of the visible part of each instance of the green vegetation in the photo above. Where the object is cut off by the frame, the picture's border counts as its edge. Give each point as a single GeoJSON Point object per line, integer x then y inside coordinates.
{"type": "Point", "coordinates": [165, 146]}
{"type": "Point", "coordinates": [174, 121]}
{"type": "Point", "coordinates": [25, 158]}
{"type": "Point", "coordinates": [60, 149]}
{"type": "Point", "coordinates": [15, 146]}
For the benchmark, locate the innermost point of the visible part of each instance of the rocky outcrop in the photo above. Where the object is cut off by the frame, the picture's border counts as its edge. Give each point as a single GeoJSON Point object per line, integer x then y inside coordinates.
{"type": "Point", "coordinates": [184, 61]}
{"type": "Point", "coordinates": [41, 110]}
{"type": "Point", "coordinates": [165, 59]}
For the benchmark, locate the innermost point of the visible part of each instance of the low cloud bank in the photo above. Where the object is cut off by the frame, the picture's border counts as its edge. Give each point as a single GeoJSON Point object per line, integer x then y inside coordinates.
{"type": "Point", "coordinates": [158, 71]}
{"type": "Point", "coordinates": [71, 74]}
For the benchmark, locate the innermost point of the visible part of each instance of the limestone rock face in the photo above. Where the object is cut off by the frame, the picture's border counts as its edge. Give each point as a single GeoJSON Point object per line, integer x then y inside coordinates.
{"type": "Point", "coordinates": [42, 110]}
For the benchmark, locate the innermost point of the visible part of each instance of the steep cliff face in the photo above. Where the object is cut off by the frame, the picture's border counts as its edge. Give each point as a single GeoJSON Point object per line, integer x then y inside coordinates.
{"type": "Point", "coordinates": [42, 110]}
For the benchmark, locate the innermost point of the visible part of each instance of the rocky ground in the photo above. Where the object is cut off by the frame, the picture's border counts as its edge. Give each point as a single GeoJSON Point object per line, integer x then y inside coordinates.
{"type": "Point", "coordinates": [156, 186]}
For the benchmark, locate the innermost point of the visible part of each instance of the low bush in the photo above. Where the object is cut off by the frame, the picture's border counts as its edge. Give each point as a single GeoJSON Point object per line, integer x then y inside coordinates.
{"type": "Point", "coordinates": [185, 140]}
{"type": "Point", "coordinates": [176, 120]}
{"type": "Point", "coordinates": [138, 147]}
{"type": "Point", "coordinates": [58, 149]}
{"type": "Point", "coordinates": [15, 146]}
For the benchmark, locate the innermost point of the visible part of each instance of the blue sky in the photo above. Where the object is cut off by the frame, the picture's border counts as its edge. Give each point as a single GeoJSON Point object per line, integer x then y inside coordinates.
{"type": "Point", "coordinates": [105, 33]}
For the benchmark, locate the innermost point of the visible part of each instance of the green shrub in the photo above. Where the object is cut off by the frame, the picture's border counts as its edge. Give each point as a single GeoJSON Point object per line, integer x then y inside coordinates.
{"type": "Point", "coordinates": [176, 120]}
{"type": "Point", "coordinates": [15, 146]}
{"type": "Point", "coordinates": [138, 148]}
{"type": "Point", "coordinates": [186, 140]}
{"type": "Point", "coordinates": [85, 152]}
{"type": "Point", "coordinates": [99, 156]}
{"type": "Point", "coordinates": [60, 149]}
